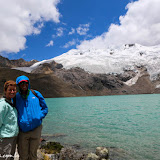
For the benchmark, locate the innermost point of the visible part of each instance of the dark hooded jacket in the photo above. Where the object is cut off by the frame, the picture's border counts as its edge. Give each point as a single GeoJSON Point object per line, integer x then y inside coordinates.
{"type": "Point", "coordinates": [31, 109]}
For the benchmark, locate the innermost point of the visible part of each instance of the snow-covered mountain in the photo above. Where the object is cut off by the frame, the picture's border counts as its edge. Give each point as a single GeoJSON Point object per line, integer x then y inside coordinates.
{"type": "Point", "coordinates": [111, 60]}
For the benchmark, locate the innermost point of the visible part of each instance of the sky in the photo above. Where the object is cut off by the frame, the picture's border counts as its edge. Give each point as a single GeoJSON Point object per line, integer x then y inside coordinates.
{"type": "Point", "coordinates": [44, 29]}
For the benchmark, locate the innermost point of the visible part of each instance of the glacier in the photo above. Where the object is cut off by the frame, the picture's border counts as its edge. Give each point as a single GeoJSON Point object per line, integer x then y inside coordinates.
{"type": "Point", "coordinates": [110, 60]}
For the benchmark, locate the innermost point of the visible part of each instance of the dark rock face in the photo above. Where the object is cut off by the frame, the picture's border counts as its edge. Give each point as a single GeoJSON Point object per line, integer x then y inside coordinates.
{"type": "Point", "coordinates": [99, 84]}
{"type": "Point", "coordinates": [47, 67]}
{"type": "Point", "coordinates": [106, 84]}
{"type": "Point", "coordinates": [85, 81]}
{"type": "Point", "coordinates": [127, 75]}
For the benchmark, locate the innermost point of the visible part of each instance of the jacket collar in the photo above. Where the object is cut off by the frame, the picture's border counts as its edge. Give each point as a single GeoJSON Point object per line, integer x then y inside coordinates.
{"type": "Point", "coordinates": [8, 101]}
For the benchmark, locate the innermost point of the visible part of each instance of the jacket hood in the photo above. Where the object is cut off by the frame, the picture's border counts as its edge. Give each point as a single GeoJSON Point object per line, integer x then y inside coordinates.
{"type": "Point", "coordinates": [22, 78]}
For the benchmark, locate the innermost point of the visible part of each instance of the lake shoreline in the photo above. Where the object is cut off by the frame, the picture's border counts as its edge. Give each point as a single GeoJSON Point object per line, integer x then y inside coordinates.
{"type": "Point", "coordinates": [75, 152]}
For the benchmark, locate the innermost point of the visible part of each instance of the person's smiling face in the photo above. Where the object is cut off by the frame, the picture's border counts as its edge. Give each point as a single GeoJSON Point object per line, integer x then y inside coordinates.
{"type": "Point", "coordinates": [10, 92]}
{"type": "Point", "coordinates": [24, 86]}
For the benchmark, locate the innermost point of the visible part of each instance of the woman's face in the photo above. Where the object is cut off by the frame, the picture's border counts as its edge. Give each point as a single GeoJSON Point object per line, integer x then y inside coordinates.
{"type": "Point", "coordinates": [10, 92]}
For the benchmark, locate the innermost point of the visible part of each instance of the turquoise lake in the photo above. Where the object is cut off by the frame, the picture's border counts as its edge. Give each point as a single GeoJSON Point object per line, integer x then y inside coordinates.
{"type": "Point", "coordinates": [128, 122]}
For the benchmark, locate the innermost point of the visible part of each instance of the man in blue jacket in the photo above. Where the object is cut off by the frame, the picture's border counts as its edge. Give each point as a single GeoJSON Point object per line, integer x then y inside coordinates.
{"type": "Point", "coordinates": [31, 108]}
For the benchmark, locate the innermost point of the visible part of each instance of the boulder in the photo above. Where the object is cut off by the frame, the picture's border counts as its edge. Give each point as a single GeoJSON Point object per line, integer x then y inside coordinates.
{"type": "Point", "coordinates": [102, 152]}
{"type": "Point", "coordinates": [92, 156]}
{"type": "Point", "coordinates": [70, 153]}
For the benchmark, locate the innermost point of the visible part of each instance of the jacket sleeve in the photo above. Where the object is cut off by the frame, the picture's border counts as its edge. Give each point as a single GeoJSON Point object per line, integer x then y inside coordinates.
{"type": "Point", "coordinates": [3, 111]}
{"type": "Point", "coordinates": [43, 104]}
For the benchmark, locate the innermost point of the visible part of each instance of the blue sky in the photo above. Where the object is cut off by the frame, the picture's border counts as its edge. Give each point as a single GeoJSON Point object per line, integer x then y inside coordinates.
{"type": "Point", "coordinates": [48, 28]}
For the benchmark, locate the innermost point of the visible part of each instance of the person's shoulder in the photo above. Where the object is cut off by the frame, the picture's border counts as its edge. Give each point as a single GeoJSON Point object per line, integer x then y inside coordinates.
{"type": "Point", "coordinates": [34, 90]}
{"type": "Point", "coordinates": [37, 92]}
{"type": "Point", "coordinates": [3, 104]}
{"type": "Point", "coordinates": [2, 100]}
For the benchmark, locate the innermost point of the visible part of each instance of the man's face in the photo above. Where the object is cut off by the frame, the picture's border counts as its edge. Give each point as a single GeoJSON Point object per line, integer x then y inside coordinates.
{"type": "Point", "coordinates": [23, 86]}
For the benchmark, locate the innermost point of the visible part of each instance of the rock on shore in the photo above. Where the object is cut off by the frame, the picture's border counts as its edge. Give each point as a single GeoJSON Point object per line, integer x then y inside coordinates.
{"type": "Point", "coordinates": [55, 151]}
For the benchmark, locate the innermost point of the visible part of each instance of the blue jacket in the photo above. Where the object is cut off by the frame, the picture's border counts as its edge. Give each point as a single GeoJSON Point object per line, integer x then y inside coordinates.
{"type": "Point", "coordinates": [31, 109]}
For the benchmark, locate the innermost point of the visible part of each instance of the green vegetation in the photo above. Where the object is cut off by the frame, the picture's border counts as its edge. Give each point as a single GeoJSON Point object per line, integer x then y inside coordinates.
{"type": "Point", "coordinates": [52, 147]}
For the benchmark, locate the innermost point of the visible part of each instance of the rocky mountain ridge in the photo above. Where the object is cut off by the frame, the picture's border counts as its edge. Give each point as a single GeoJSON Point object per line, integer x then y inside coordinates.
{"type": "Point", "coordinates": [54, 80]}
{"type": "Point", "coordinates": [5, 62]}
{"type": "Point", "coordinates": [102, 84]}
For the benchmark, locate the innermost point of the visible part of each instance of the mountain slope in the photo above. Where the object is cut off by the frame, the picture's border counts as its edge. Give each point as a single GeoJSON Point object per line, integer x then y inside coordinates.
{"type": "Point", "coordinates": [91, 84]}
{"type": "Point", "coordinates": [48, 85]}
{"type": "Point", "coordinates": [5, 62]}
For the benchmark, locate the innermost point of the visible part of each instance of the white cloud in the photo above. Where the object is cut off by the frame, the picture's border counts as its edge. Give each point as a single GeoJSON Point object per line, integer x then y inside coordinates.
{"type": "Point", "coordinates": [141, 24]}
{"type": "Point", "coordinates": [83, 29]}
{"type": "Point", "coordinates": [70, 43]}
{"type": "Point", "coordinates": [60, 32]}
{"type": "Point", "coordinates": [20, 18]}
{"type": "Point", "coordinates": [50, 44]}
{"type": "Point", "coordinates": [72, 31]}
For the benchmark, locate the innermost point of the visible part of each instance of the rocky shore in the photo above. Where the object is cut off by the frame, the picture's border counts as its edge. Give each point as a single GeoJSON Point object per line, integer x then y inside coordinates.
{"type": "Point", "coordinates": [56, 151]}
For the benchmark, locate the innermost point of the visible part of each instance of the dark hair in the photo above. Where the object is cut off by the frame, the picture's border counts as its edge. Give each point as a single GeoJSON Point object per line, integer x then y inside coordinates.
{"type": "Point", "coordinates": [9, 83]}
